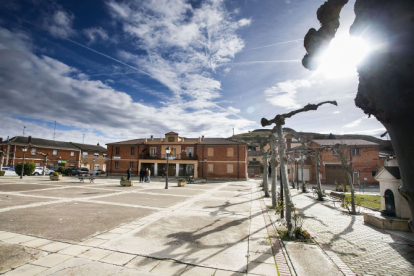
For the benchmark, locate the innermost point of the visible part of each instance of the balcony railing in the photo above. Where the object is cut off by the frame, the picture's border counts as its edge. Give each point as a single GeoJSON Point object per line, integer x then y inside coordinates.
{"type": "Point", "coordinates": [182, 156]}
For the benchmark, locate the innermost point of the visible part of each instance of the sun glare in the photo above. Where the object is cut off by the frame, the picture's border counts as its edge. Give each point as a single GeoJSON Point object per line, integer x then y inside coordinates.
{"type": "Point", "coordinates": [342, 56]}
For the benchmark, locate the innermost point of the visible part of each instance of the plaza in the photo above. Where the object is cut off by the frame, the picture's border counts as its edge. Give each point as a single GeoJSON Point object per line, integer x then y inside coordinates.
{"type": "Point", "coordinates": [215, 228]}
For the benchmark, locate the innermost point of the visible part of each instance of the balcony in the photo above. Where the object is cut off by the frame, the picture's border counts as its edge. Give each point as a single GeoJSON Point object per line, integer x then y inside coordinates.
{"type": "Point", "coordinates": [183, 156]}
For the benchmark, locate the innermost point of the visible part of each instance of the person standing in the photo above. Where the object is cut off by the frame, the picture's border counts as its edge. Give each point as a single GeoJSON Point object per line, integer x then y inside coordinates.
{"type": "Point", "coordinates": [149, 175]}
{"type": "Point", "coordinates": [146, 175]}
{"type": "Point", "coordinates": [141, 175]}
{"type": "Point", "coordinates": [128, 174]}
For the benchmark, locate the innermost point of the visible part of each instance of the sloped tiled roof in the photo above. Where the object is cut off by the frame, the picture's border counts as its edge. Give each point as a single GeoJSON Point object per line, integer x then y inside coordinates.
{"type": "Point", "coordinates": [207, 141]}
{"type": "Point", "coordinates": [394, 171]}
{"type": "Point", "coordinates": [220, 141]}
{"type": "Point", "coordinates": [253, 153]}
{"type": "Point", "coordinates": [348, 142]}
{"type": "Point", "coordinates": [37, 142]}
{"type": "Point", "coordinates": [171, 132]}
{"type": "Point", "coordinates": [86, 147]}
{"type": "Point", "coordinates": [130, 142]}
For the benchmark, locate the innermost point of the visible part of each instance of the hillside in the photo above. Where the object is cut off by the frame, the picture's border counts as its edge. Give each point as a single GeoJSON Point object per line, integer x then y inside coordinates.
{"type": "Point", "coordinates": [308, 136]}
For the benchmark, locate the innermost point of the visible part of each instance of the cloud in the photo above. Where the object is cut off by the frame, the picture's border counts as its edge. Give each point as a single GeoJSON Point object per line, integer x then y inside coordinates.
{"type": "Point", "coordinates": [283, 94]}
{"type": "Point", "coordinates": [64, 93]}
{"type": "Point", "coordinates": [355, 123]}
{"type": "Point", "coordinates": [59, 24]}
{"type": "Point", "coordinates": [94, 34]}
{"type": "Point", "coordinates": [234, 110]}
{"type": "Point", "coordinates": [336, 112]}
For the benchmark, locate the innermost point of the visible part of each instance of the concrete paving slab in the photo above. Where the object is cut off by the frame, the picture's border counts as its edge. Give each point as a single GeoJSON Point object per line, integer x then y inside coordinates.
{"type": "Point", "coordinates": [107, 236]}
{"type": "Point", "coordinates": [20, 239]}
{"type": "Point", "coordinates": [75, 250]}
{"type": "Point", "coordinates": [55, 246]}
{"type": "Point", "coordinates": [230, 195]}
{"type": "Point", "coordinates": [52, 260]}
{"type": "Point", "coordinates": [229, 273]}
{"type": "Point", "coordinates": [12, 256]}
{"type": "Point", "coordinates": [95, 254]}
{"type": "Point", "coordinates": [168, 268]}
{"type": "Point", "coordinates": [8, 235]}
{"type": "Point", "coordinates": [16, 200]}
{"type": "Point", "coordinates": [38, 242]}
{"type": "Point", "coordinates": [261, 258]}
{"type": "Point", "coordinates": [121, 230]}
{"type": "Point", "coordinates": [220, 205]}
{"type": "Point", "coordinates": [175, 191]}
{"type": "Point", "coordinates": [22, 187]}
{"type": "Point", "coordinates": [71, 192]}
{"type": "Point", "coordinates": [26, 270]}
{"type": "Point", "coordinates": [133, 272]}
{"type": "Point", "coordinates": [82, 267]}
{"type": "Point", "coordinates": [93, 242]}
{"type": "Point", "coordinates": [198, 271]}
{"type": "Point", "coordinates": [309, 259]}
{"type": "Point", "coordinates": [200, 240]}
{"type": "Point", "coordinates": [145, 199]}
{"type": "Point", "coordinates": [69, 221]}
{"type": "Point", "coordinates": [265, 269]}
{"type": "Point", "coordinates": [143, 263]}
{"type": "Point", "coordinates": [117, 187]}
{"type": "Point", "coordinates": [118, 258]}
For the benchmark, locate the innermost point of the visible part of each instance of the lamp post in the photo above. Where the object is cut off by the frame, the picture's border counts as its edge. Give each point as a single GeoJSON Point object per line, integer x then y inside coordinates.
{"type": "Point", "coordinates": [205, 167]}
{"type": "Point", "coordinates": [24, 149]}
{"type": "Point", "coordinates": [167, 151]}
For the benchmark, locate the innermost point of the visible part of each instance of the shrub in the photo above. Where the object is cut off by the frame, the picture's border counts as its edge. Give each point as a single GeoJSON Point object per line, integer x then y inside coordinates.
{"type": "Point", "coordinates": [55, 174]}
{"type": "Point", "coordinates": [29, 168]}
{"type": "Point", "coordinates": [204, 178]}
{"type": "Point", "coordinates": [2, 173]}
{"type": "Point", "coordinates": [102, 172]}
{"type": "Point", "coordinates": [180, 179]}
{"type": "Point", "coordinates": [61, 170]}
{"type": "Point", "coordinates": [68, 172]}
{"type": "Point", "coordinates": [123, 178]}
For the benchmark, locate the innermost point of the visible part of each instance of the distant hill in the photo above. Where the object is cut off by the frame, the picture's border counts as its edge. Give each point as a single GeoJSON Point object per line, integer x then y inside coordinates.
{"type": "Point", "coordinates": [308, 136]}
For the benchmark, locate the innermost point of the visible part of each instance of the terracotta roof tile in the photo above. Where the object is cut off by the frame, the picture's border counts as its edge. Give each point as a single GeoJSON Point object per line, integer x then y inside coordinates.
{"type": "Point", "coordinates": [348, 142]}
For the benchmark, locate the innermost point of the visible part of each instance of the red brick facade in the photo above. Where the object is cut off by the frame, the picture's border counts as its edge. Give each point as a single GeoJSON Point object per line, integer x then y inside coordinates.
{"type": "Point", "coordinates": [364, 165]}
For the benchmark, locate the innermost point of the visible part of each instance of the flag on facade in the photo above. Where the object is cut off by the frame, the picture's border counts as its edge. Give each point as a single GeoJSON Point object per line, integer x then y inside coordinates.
{"type": "Point", "coordinates": [144, 150]}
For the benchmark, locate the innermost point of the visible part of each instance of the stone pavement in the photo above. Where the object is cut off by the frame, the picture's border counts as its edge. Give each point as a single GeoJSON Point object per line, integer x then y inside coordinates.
{"type": "Point", "coordinates": [71, 228]}
{"type": "Point", "coordinates": [355, 247]}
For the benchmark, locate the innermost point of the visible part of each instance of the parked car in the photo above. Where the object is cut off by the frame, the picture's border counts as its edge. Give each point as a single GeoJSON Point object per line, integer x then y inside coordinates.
{"type": "Point", "coordinates": [39, 171]}
{"type": "Point", "coordinates": [80, 171]}
{"type": "Point", "coordinates": [9, 171]}
{"type": "Point", "coordinates": [96, 172]}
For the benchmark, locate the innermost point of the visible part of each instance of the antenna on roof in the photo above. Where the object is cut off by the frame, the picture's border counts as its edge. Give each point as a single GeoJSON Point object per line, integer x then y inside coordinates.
{"type": "Point", "coordinates": [54, 132]}
{"type": "Point", "coordinates": [83, 139]}
{"type": "Point", "coordinates": [23, 130]}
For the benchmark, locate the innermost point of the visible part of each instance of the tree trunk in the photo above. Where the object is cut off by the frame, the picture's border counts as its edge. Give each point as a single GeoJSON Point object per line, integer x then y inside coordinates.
{"type": "Point", "coordinates": [44, 166]}
{"type": "Point", "coordinates": [1, 161]}
{"type": "Point", "coordinates": [291, 170]}
{"type": "Point", "coordinates": [303, 180]}
{"type": "Point", "coordinates": [265, 176]}
{"type": "Point", "coordinates": [351, 185]}
{"type": "Point", "coordinates": [273, 172]}
{"type": "Point", "coordinates": [288, 199]}
{"type": "Point", "coordinates": [318, 178]}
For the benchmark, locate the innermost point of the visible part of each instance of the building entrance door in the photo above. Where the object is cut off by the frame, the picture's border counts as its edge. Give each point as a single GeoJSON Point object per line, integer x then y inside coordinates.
{"type": "Point", "coordinates": [389, 202]}
{"type": "Point", "coordinates": [171, 169]}
{"type": "Point", "coordinates": [189, 170]}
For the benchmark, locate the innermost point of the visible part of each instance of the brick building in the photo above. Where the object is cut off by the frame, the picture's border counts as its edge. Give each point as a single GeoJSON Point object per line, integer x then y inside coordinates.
{"type": "Point", "coordinates": [363, 157]}
{"type": "Point", "coordinates": [64, 154]}
{"type": "Point", "coordinates": [92, 156]}
{"type": "Point", "coordinates": [210, 157]}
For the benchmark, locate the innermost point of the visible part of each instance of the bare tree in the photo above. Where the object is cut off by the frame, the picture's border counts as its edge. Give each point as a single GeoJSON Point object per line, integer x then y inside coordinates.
{"type": "Point", "coordinates": [386, 82]}
{"type": "Point", "coordinates": [2, 155]}
{"type": "Point", "coordinates": [273, 165]}
{"type": "Point", "coordinates": [45, 155]}
{"type": "Point", "coordinates": [265, 154]}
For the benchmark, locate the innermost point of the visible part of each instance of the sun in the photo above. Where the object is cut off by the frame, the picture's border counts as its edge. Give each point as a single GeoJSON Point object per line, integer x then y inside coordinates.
{"type": "Point", "coordinates": [342, 56]}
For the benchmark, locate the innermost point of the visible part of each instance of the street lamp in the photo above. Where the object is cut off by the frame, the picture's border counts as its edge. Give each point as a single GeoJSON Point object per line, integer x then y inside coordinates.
{"type": "Point", "coordinates": [205, 167]}
{"type": "Point", "coordinates": [167, 151]}
{"type": "Point", "coordinates": [24, 149]}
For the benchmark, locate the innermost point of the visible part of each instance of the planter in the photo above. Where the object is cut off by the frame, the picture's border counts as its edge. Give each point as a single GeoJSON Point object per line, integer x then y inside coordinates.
{"type": "Point", "coordinates": [181, 183]}
{"type": "Point", "coordinates": [56, 178]}
{"type": "Point", "coordinates": [203, 180]}
{"type": "Point", "coordinates": [127, 183]}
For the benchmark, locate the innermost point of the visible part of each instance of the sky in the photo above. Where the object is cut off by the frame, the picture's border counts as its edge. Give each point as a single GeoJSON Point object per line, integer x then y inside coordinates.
{"type": "Point", "coordinates": [111, 70]}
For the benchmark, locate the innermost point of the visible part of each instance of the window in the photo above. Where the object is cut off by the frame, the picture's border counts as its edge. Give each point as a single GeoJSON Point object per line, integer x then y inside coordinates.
{"type": "Point", "coordinates": [116, 165]}
{"type": "Point", "coordinates": [72, 154]}
{"type": "Point", "coordinates": [230, 152]}
{"type": "Point", "coordinates": [210, 152]}
{"type": "Point", "coordinates": [288, 171]}
{"type": "Point", "coordinates": [335, 152]}
{"type": "Point", "coordinates": [33, 151]}
{"type": "Point", "coordinates": [356, 151]}
{"type": "Point", "coordinates": [54, 152]}
{"type": "Point", "coordinates": [104, 155]}
{"type": "Point", "coordinates": [116, 151]}
{"type": "Point", "coordinates": [229, 168]}
{"type": "Point", "coordinates": [374, 173]}
{"type": "Point", "coordinates": [85, 154]}
{"type": "Point", "coordinates": [152, 151]}
{"type": "Point", "coordinates": [254, 159]}
{"type": "Point", "coordinates": [190, 152]}
{"type": "Point", "coordinates": [132, 151]}
{"type": "Point", "coordinates": [131, 165]}
{"type": "Point", "coordinates": [210, 168]}
{"type": "Point", "coordinates": [37, 164]}
{"type": "Point", "coordinates": [97, 167]}
{"type": "Point", "coordinates": [96, 155]}
{"type": "Point", "coordinates": [171, 139]}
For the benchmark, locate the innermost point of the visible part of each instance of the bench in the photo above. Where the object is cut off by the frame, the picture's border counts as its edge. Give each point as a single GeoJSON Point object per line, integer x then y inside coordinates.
{"type": "Point", "coordinates": [82, 177]}
{"type": "Point", "coordinates": [190, 179]}
{"type": "Point", "coordinates": [337, 197]}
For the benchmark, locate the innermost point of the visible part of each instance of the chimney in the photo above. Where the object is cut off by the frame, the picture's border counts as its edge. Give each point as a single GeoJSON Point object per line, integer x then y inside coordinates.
{"type": "Point", "coordinates": [161, 139]}
{"type": "Point", "coordinates": [1, 140]}
{"type": "Point", "coordinates": [152, 137]}
{"type": "Point", "coordinates": [199, 139]}
{"type": "Point", "coordinates": [182, 139]}
{"type": "Point", "coordinates": [202, 138]}
{"type": "Point", "coordinates": [98, 144]}
{"type": "Point", "coordinates": [29, 140]}
{"type": "Point", "coordinates": [146, 140]}
{"type": "Point", "coordinates": [288, 143]}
